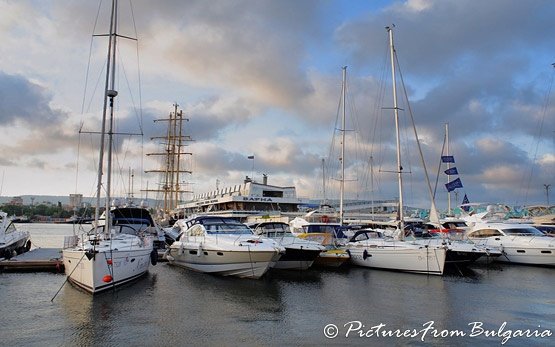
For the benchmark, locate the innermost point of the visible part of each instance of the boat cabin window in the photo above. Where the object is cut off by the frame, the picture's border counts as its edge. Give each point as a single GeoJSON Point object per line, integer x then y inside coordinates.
{"type": "Point", "coordinates": [319, 228]}
{"type": "Point", "coordinates": [454, 225]}
{"type": "Point", "coordinates": [367, 235]}
{"type": "Point", "coordinates": [10, 228]}
{"type": "Point", "coordinates": [273, 229]}
{"type": "Point", "coordinates": [226, 228]}
{"type": "Point", "coordinates": [485, 233]}
{"type": "Point", "coordinates": [272, 194]}
{"type": "Point", "coordinates": [523, 232]}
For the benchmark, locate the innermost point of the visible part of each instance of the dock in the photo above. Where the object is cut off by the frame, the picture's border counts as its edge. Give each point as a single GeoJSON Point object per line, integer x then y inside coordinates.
{"type": "Point", "coordinates": [36, 260]}
{"type": "Point", "coordinates": [42, 260]}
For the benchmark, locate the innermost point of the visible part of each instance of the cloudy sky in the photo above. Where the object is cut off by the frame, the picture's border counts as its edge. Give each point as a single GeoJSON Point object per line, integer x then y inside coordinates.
{"type": "Point", "coordinates": [264, 78]}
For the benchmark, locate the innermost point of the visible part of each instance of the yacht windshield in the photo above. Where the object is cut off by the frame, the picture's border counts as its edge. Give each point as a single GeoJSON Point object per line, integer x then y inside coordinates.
{"type": "Point", "coordinates": [523, 232]}
{"type": "Point", "coordinates": [220, 227]}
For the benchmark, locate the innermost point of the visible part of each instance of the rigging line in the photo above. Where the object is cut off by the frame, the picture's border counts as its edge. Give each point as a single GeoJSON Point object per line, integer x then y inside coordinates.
{"type": "Point", "coordinates": [138, 66]}
{"type": "Point", "coordinates": [89, 59]}
{"type": "Point", "coordinates": [416, 136]}
{"type": "Point", "coordinates": [67, 277]}
{"type": "Point", "coordinates": [540, 130]}
{"type": "Point", "coordinates": [439, 166]}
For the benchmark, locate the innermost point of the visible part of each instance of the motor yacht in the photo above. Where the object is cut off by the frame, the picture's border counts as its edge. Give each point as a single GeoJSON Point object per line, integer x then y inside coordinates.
{"type": "Point", "coordinates": [299, 253]}
{"type": "Point", "coordinates": [221, 245]}
{"type": "Point", "coordinates": [521, 243]}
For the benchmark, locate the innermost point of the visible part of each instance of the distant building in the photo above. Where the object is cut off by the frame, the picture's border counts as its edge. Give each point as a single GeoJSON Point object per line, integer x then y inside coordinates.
{"type": "Point", "coordinates": [75, 200]}
{"type": "Point", "coordinates": [18, 201]}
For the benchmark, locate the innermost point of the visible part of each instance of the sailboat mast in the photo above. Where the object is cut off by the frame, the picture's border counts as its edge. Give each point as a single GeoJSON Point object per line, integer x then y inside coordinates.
{"type": "Point", "coordinates": [325, 201]}
{"type": "Point", "coordinates": [397, 132]}
{"type": "Point", "coordinates": [448, 167]}
{"type": "Point", "coordinates": [107, 94]}
{"type": "Point", "coordinates": [179, 145]}
{"type": "Point", "coordinates": [342, 181]}
{"type": "Point", "coordinates": [111, 94]}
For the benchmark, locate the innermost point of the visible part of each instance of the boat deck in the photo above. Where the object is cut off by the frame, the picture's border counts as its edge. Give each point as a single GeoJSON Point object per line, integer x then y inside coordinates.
{"type": "Point", "coordinates": [36, 260]}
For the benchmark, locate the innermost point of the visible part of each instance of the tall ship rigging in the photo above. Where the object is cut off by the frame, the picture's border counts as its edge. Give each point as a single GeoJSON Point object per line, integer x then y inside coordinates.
{"type": "Point", "coordinates": [171, 187]}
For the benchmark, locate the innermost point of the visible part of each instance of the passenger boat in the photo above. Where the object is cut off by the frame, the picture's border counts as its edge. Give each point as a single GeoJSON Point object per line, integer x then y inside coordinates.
{"type": "Point", "coordinates": [223, 246]}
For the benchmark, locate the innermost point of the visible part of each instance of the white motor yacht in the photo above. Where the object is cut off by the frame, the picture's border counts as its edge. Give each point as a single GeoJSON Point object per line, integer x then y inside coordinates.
{"type": "Point", "coordinates": [299, 253]}
{"type": "Point", "coordinates": [11, 239]}
{"type": "Point", "coordinates": [460, 250]}
{"type": "Point", "coordinates": [521, 243]}
{"type": "Point", "coordinates": [223, 246]}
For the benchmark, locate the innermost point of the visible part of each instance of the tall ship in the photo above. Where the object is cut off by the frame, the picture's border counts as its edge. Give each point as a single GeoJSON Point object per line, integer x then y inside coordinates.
{"type": "Point", "coordinates": [173, 158]}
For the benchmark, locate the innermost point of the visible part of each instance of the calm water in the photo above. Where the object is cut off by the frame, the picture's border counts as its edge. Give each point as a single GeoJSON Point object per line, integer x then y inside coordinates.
{"type": "Point", "coordinates": [173, 306]}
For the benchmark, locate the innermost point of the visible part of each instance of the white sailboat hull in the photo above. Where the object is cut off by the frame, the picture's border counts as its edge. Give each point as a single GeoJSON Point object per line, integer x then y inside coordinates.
{"type": "Point", "coordinates": [109, 267]}
{"type": "Point", "coordinates": [426, 260]}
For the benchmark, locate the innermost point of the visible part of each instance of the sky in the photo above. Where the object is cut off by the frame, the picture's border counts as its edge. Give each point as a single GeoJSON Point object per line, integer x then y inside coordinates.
{"type": "Point", "coordinates": [264, 79]}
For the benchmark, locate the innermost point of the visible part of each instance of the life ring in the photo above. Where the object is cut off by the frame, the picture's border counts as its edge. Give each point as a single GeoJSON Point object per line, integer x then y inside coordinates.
{"type": "Point", "coordinates": [325, 219]}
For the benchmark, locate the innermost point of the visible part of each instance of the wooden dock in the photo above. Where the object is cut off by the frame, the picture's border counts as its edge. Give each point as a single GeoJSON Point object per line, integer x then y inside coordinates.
{"type": "Point", "coordinates": [36, 260]}
{"type": "Point", "coordinates": [42, 260]}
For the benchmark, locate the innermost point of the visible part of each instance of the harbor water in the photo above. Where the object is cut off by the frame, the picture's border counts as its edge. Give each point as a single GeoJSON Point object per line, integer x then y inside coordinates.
{"type": "Point", "coordinates": [489, 304]}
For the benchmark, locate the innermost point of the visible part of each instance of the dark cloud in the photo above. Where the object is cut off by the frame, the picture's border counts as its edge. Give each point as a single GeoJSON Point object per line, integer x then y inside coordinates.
{"type": "Point", "coordinates": [27, 102]}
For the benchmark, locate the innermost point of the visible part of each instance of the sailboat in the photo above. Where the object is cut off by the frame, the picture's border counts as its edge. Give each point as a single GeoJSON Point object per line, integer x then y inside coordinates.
{"type": "Point", "coordinates": [108, 255]}
{"type": "Point", "coordinates": [323, 225]}
{"type": "Point", "coordinates": [370, 248]}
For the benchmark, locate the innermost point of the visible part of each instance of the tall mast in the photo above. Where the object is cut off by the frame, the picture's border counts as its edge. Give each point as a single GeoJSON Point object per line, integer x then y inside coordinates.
{"type": "Point", "coordinates": [173, 142]}
{"type": "Point", "coordinates": [397, 133]}
{"type": "Point", "coordinates": [179, 140]}
{"type": "Point", "coordinates": [110, 93]}
{"type": "Point", "coordinates": [324, 181]}
{"type": "Point", "coordinates": [448, 167]}
{"type": "Point", "coordinates": [342, 182]}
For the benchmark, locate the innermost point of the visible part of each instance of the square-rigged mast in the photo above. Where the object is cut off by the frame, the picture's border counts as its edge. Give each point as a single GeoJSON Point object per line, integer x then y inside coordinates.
{"type": "Point", "coordinates": [173, 142]}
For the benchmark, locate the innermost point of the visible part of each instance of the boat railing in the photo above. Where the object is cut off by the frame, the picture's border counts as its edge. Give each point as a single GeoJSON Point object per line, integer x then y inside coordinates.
{"type": "Point", "coordinates": [71, 241]}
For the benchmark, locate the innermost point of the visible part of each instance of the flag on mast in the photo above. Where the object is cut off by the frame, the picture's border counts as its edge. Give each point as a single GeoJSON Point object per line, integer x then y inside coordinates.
{"type": "Point", "coordinates": [453, 185]}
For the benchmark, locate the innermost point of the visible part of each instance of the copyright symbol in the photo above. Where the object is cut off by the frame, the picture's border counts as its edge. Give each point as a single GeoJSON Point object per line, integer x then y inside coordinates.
{"type": "Point", "coordinates": [331, 331]}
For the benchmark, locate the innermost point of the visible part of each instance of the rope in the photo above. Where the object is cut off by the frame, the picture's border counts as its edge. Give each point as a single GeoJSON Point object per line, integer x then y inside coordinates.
{"type": "Point", "coordinates": [67, 277]}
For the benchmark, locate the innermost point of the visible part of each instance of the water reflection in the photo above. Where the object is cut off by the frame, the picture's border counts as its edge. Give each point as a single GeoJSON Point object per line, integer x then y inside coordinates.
{"type": "Point", "coordinates": [175, 306]}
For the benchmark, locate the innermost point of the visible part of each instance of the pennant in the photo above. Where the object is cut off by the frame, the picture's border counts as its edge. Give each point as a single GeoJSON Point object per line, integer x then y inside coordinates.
{"type": "Point", "coordinates": [465, 201]}
{"type": "Point", "coordinates": [451, 171]}
{"type": "Point", "coordinates": [447, 159]}
{"type": "Point", "coordinates": [453, 185]}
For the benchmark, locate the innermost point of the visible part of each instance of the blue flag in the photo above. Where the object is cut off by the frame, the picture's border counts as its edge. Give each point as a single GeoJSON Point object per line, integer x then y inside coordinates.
{"type": "Point", "coordinates": [447, 159]}
{"type": "Point", "coordinates": [465, 201]}
{"type": "Point", "coordinates": [451, 171]}
{"type": "Point", "coordinates": [453, 185]}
